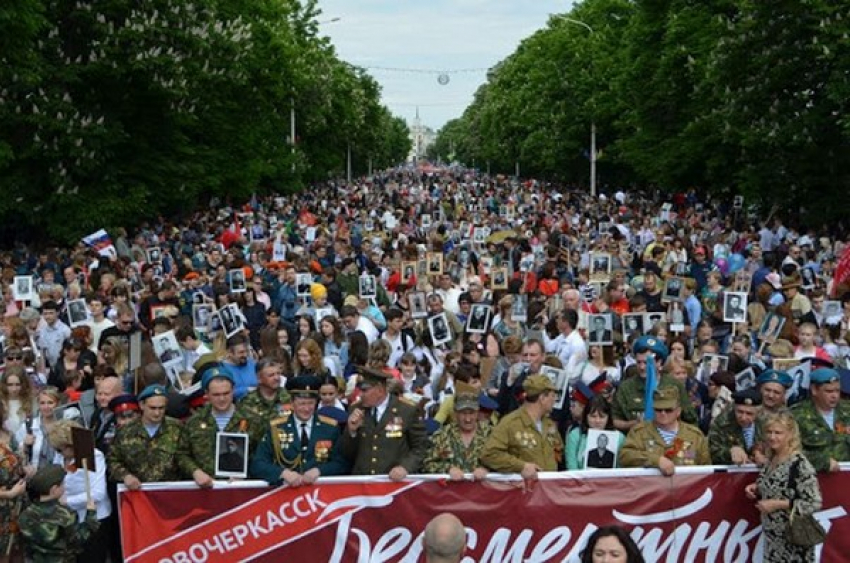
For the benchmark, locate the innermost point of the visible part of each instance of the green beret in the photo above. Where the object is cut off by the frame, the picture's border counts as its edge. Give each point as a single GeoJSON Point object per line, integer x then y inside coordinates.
{"type": "Point", "coordinates": [152, 391]}
{"type": "Point", "coordinates": [651, 344]}
{"type": "Point", "coordinates": [46, 478]}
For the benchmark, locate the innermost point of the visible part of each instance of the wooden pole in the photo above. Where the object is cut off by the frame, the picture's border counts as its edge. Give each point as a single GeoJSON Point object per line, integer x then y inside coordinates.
{"type": "Point", "coordinates": [88, 482]}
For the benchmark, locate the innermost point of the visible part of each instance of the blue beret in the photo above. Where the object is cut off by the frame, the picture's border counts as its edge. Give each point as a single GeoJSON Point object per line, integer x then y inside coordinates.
{"type": "Point", "coordinates": [824, 375]}
{"type": "Point", "coordinates": [487, 403]}
{"type": "Point", "coordinates": [431, 426]}
{"type": "Point", "coordinates": [773, 376]}
{"type": "Point", "coordinates": [215, 373]}
{"type": "Point", "coordinates": [651, 344]}
{"type": "Point", "coordinates": [152, 391]}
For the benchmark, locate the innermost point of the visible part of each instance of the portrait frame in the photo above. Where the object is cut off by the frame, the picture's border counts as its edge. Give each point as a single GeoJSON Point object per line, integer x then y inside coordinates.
{"type": "Point", "coordinates": [499, 278]}
{"type": "Point", "coordinates": [771, 327]}
{"type": "Point", "coordinates": [367, 287]}
{"type": "Point", "coordinates": [167, 349]}
{"type": "Point", "coordinates": [303, 282]}
{"type": "Point", "coordinates": [591, 447]}
{"type": "Point", "coordinates": [476, 324]}
{"type": "Point", "coordinates": [560, 379]}
{"type": "Point", "coordinates": [23, 288]}
{"type": "Point", "coordinates": [236, 280]}
{"type": "Point", "coordinates": [435, 263]}
{"type": "Point", "coordinates": [731, 315]}
{"type": "Point", "coordinates": [78, 313]}
{"type": "Point", "coordinates": [607, 336]}
{"type": "Point", "coordinates": [202, 314]}
{"type": "Point", "coordinates": [673, 287]}
{"type": "Point", "coordinates": [223, 466]}
{"type": "Point", "coordinates": [440, 330]}
{"type": "Point", "coordinates": [408, 272]}
{"type": "Point", "coordinates": [417, 300]}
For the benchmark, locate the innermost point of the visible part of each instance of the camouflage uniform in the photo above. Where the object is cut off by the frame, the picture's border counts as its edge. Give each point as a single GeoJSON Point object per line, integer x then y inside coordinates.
{"type": "Point", "coordinates": [629, 400]}
{"type": "Point", "coordinates": [281, 449]}
{"type": "Point", "coordinates": [516, 441]}
{"type": "Point", "coordinates": [644, 446]}
{"type": "Point", "coordinates": [262, 409]}
{"type": "Point", "coordinates": [52, 534]}
{"type": "Point", "coordinates": [133, 452]}
{"type": "Point", "coordinates": [196, 449]}
{"type": "Point", "coordinates": [399, 438]}
{"type": "Point", "coordinates": [820, 443]}
{"type": "Point", "coordinates": [725, 433]}
{"type": "Point", "coordinates": [448, 450]}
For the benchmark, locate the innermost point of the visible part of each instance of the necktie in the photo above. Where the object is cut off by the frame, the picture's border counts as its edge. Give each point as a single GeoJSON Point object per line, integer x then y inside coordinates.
{"type": "Point", "coordinates": [375, 415]}
{"type": "Point", "coordinates": [305, 439]}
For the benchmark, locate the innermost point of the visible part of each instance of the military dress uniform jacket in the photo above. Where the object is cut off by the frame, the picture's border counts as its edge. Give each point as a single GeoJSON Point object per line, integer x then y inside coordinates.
{"type": "Point", "coordinates": [150, 460]}
{"type": "Point", "coordinates": [644, 447]}
{"type": "Point", "coordinates": [198, 438]}
{"type": "Point", "coordinates": [52, 533]}
{"type": "Point", "coordinates": [516, 441]}
{"type": "Point", "coordinates": [399, 438]}
{"type": "Point", "coordinates": [820, 443]}
{"type": "Point", "coordinates": [629, 399]}
{"type": "Point", "coordinates": [281, 449]}
{"type": "Point", "coordinates": [725, 434]}
{"type": "Point", "coordinates": [448, 450]}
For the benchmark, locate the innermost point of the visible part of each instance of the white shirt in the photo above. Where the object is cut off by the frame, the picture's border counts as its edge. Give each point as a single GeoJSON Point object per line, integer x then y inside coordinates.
{"type": "Point", "coordinates": [96, 329]}
{"type": "Point", "coordinates": [75, 487]}
{"type": "Point", "coordinates": [367, 327]}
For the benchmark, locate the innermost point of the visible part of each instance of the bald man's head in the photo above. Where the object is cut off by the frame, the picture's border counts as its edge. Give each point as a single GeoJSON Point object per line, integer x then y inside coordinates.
{"type": "Point", "coordinates": [444, 539]}
{"type": "Point", "coordinates": [107, 389]}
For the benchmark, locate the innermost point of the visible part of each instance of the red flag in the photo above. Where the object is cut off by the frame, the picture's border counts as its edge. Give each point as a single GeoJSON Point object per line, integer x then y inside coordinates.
{"type": "Point", "coordinates": [842, 271]}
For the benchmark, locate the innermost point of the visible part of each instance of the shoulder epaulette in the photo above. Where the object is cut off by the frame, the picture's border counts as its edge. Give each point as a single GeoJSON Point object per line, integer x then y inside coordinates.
{"type": "Point", "coordinates": [407, 402]}
{"type": "Point", "coordinates": [327, 420]}
{"type": "Point", "coordinates": [282, 419]}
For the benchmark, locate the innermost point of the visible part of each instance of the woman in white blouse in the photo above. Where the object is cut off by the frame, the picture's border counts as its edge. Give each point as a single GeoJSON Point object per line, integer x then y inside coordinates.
{"type": "Point", "coordinates": [59, 436]}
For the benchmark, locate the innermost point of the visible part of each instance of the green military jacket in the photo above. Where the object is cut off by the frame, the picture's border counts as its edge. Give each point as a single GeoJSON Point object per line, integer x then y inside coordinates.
{"type": "Point", "coordinates": [281, 448]}
{"type": "Point", "coordinates": [196, 449]}
{"type": "Point", "coordinates": [820, 442]}
{"type": "Point", "coordinates": [150, 459]}
{"type": "Point", "coordinates": [725, 434]}
{"type": "Point", "coordinates": [644, 447]}
{"type": "Point", "coordinates": [262, 409]}
{"type": "Point", "coordinates": [629, 399]}
{"type": "Point", "coordinates": [516, 441]}
{"type": "Point", "coordinates": [448, 450]}
{"type": "Point", "coordinates": [398, 438]}
{"type": "Point", "coordinates": [52, 534]}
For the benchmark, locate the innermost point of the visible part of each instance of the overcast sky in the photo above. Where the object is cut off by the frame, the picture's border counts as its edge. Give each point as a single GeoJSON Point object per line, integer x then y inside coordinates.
{"type": "Point", "coordinates": [442, 35]}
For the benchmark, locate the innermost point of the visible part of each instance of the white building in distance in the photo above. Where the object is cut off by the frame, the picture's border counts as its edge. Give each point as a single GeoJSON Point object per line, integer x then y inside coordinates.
{"type": "Point", "coordinates": [421, 137]}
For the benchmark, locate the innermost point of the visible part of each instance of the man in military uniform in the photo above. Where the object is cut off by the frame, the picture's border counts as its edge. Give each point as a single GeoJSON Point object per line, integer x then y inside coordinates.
{"type": "Point", "coordinates": [629, 401]}
{"type": "Point", "coordinates": [50, 529]}
{"type": "Point", "coordinates": [526, 440]}
{"type": "Point", "coordinates": [300, 445]}
{"type": "Point", "coordinates": [143, 451]}
{"type": "Point", "coordinates": [269, 400]}
{"type": "Point", "coordinates": [196, 451]}
{"type": "Point", "coordinates": [772, 386]}
{"type": "Point", "coordinates": [735, 435]}
{"type": "Point", "coordinates": [385, 434]}
{"type": "Point", "coordinates": [456, 447]}
{"type": "Point", "coordinates": [665, 442]}
{"type": "Point", "coordinates": [824, 421]}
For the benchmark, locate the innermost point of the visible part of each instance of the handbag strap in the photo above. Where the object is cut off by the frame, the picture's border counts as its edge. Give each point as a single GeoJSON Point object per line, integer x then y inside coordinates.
{"type": "Point", "coordinates": [793, 473]}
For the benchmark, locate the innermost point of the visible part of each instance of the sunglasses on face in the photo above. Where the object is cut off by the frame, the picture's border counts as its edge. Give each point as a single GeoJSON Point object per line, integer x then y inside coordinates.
{"type": "Point", "coordinates": [14, 358]}
{"type": "Point", "coordinates": [665, 411]}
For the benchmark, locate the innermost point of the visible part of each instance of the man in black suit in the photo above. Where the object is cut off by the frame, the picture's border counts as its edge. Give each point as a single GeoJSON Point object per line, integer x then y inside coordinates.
{"type": "Point", "coordinates": [601, 457]}
{"type": "Point", "coordinates": [599, 333]}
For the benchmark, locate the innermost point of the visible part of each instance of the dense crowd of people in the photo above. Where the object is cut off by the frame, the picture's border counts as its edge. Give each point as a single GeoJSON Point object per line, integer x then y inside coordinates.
{"type": "Point", "coordinates": [421, 323]}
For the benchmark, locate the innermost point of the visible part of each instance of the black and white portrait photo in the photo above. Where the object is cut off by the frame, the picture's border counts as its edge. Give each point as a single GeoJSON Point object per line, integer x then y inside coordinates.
{"type": "Point", "coordinates": [600, 331]}
{"type": "Point", "coordinates": [303, 281]}
{"type": "Point", "coordinates": [78, 313]}
{"type": "Point", "coordinates": [478, 320]}
{"type": "Point", "coordinates": [22, 288]}
{"type": "Point", "coordinates": [809, 278]}
{"type": "Point", "coordinates": [673, 289]}
{"type": "Point", "coordinates": [368, 289]}
{"type": "Point", "coordinates": [166, 348]}
{"type": "Point", "coordinates": [201, 316]}
{"type": "Point", "coordinates": [435, 263]}
{"type": "Point", "coordinates": [418, 307]}
{"type": "Point", "coordinates": [600, 265]}
{"type": "Point", "coordinates": [438, 325]}
{"type": "Point", "coordinates": [231, 455]}
{"type": "Point", "coordinates": [408, 272]}
{"type": "Point", "coordinates": [734, 307]}
{"type": "Point", "coordinates": [632, 326]}
{"type": "Point", "coordinates": [499, 278]}
{"type": "Point", "coordinates": [231, 319]}
{"type": "Point", "coordinates": [519, 308]}
{"type": "Point", "coordinates": [237, 280]}
{"type": "Point", "coordinates": [771, 327]}
{"type": "Point", "coordinates": [711, 364]}
{"type": "Point", "coordinates": [600, 451]}
{"type": "Point", "coordinates": [154, 255]}
{"type": "Point", "coordinates": [652, 319]}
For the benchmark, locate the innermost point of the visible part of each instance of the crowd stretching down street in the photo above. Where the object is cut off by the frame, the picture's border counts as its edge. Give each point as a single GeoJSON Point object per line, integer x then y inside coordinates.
{"type": "Point", "coordinates": [440, 321]}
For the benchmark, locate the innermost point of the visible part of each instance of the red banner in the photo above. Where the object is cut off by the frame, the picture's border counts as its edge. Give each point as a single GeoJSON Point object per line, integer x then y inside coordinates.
{"type": "Point", "coordinates": [694, 516]}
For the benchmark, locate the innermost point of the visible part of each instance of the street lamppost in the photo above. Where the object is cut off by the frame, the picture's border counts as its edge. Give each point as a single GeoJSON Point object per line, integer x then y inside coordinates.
{"type": "Point", "coordinates": [593, 120]}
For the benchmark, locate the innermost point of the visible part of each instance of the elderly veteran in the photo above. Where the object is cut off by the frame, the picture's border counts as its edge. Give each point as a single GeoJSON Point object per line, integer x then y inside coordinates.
{"type": "Point", "coordinates": [196, 453]}
{"type": "Point", "coordinates": [456, 447]}
{"type": "Point", "coordinates": [824, 421]}
{"type": "Point", "coordinates": [526, 440]}
{"type": "Point", "coordinates": [772, 386]}
{"type": "Point", "coordinates": [665, 442]}
{"type": "Point", "coordinates": [300, 445]}
{"type": "Point", "coordinates": [629, 401]}
{"type": "Point", "coordinates": [736, 434]}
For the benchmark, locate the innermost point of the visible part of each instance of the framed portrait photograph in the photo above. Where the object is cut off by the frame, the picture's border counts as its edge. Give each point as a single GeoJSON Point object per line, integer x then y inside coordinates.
{"type": "Point", "coordinates": [652, 319]}
{"type": "Point", "coordinates": [418, 304]}
{"type": "Point", "coordinates": [78, 313]}
{"type": "Point", "coordinates": [425, 221]}
{"type": "Point", "coordinates": [368, 287]}
{"type": "Point", "coordinates": [745, 380]}
{"type": "Point", "coordinates": [408, 272]}
{"type": "Point", "coordinates": [23, 289]}
{"type": "Point", "coordinates": [485, 265]}
{"type": "Point", "coordinates": [166, 348]}
{"type": "Point", "coordinates": [676, 314]}
{"type": "Point", "coordinates": [519, 309]}
{"type": "Point", "coordinates": [499, 278]}
{"type": "Point", "coordinates": [734, 307]}
{"type": "Point", "coordinates": [600, 330]}
{"type": "Point", "coordinates": [479, 235]}
{"type": "Point", "coordinates": [478, 320]}
{"type": "Point", "coordinates": [832, 309]}
{"type": "Point", "coordinates": [435, 263]}
{"type": "Point", "coordinates": [438, 326]}
{"type": "Point", "coordinates": [743, 281]}
{"type": "Point", "coordinates": [198, 297]}
{"type": "Point", "coordinates": [236, 279]}
{"type": "Point", "coordinates": [231, 319]}
{"type": "Point", "coordinates": [559, 379]}
{"type": "Point", "coordinates": [72, 412]}
{"type": "Point", "coordinates": [785, 364]}
{"type": "Point", "coordinates": [231, 455]}
{"type": "Point", "coordinates": [202, 314]}
{"type": "Point", "coordinates": [771, 327]}
{"type": "Point", "coordinates": [711, 364]}
{"type": "Point", "coordinates": [303, 281]}
{"type": "Point", "coordinates": [600, 266]}
{"type": "Point", "coordinates": [809, 277]}
{"type": "Point", "coordinates": [601, 449]}
{"type": "Point", "coordinates": [154, 255]}
{"type": "Point", "coordinates": [673, 289]}
{"type": "Point", "coordinates": [632, 326]}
